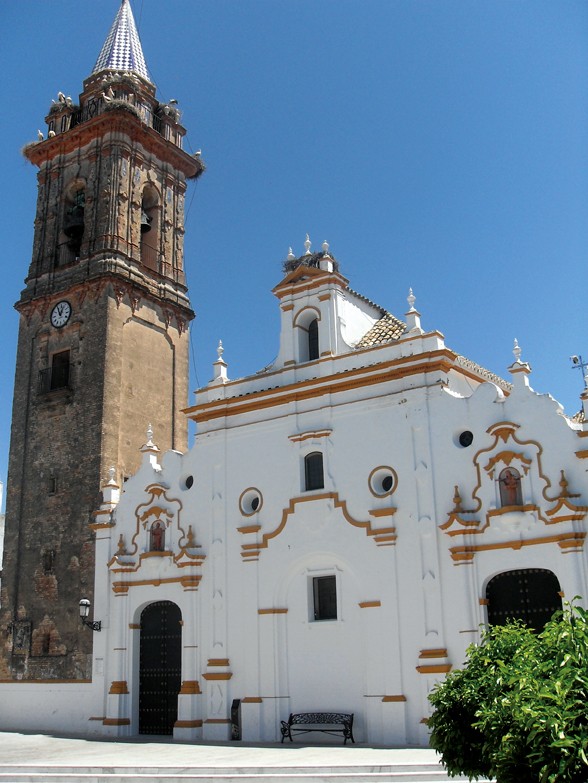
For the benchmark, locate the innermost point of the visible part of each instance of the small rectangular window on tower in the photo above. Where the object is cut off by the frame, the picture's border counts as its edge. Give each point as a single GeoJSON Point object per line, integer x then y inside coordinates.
{"type": "Point", "coordinates": [324, 594]}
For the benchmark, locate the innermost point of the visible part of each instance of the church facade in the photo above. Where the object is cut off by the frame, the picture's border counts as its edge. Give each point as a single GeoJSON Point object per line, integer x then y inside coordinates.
{"type": "Point", "coordinates": [346, 521]}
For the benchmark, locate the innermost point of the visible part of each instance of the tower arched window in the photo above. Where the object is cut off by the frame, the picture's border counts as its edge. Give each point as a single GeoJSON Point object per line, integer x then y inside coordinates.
{"type": "Point", "coordinates": [313, 471]}
{"type": "Point", "coordinates": [149, 226]}
{"type": "Point", "coordinates": [313, 340]}
{"type": "Point", "coordinates": [531, 595]}
{"type": "Point", "coordinates": [73, 224]}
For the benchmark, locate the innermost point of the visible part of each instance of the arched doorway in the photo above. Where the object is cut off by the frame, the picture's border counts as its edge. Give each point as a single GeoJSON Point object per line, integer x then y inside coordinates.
{"type": "Point", "coordinates": [528, 594]}
{"type": "Point", "coordinates": [160, 673]}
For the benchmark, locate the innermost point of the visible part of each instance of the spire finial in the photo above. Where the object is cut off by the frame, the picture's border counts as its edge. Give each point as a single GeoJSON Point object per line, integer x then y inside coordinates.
{"type": "Point", "coordinates": [220, 350]}
{"type": "Point", "coordinates": [122, 49]}
{"type": "Point", "coordinates": [326, 247]}
{"type": "Point", "coordinates": [517, 351]}
{"type": "Point", "coordinates": [307, 244]}
{"type": "Point", "coordinates": [291, 255]}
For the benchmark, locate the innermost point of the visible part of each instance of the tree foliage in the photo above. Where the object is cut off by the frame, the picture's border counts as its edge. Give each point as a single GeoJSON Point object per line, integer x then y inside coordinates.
{"type": "Point", "coordinates": [518, 711]}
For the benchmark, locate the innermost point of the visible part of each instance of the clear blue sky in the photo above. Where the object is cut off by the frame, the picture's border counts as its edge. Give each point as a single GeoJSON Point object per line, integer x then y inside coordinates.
{"type": "Point", "coordinates": [438, 144]}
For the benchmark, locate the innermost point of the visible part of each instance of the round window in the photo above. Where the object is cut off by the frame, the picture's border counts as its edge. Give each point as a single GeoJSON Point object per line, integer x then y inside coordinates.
{"type": "Point", "coordinates": [250, 501]}
{"type": "Point", "coordinates": [466, 438]}
{"type": "Point", "coordinates": [382, 481]}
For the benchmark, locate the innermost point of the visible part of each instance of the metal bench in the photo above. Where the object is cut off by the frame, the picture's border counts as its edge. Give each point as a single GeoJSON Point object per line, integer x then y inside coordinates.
{"type": "Point", "coordinates": [325, 722]}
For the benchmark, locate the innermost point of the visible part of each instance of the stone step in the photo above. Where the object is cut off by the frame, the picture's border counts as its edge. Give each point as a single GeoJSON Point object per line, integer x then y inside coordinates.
{"type": "Point", "coordinates": [401, 773]}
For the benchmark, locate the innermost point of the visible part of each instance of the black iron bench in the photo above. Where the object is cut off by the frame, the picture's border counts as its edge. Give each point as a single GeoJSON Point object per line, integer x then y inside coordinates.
{"type": "Point", "coordinates": [326, 722]}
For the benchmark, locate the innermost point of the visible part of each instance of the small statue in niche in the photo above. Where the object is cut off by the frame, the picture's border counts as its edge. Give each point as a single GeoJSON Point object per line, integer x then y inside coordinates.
{"type": "Point", "coordinates": [157, 537]}
{"type": "Point", "coordinates": [510, 487]}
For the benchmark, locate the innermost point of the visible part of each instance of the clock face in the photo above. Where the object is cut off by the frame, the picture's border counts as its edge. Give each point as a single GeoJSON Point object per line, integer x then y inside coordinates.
{"type": "Point", "coordinates": [60, 314]}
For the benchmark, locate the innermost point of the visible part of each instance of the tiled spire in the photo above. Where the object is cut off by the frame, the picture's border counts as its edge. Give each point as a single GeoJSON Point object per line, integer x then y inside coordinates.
{"type": "Point", "coordinates": [122, 49]}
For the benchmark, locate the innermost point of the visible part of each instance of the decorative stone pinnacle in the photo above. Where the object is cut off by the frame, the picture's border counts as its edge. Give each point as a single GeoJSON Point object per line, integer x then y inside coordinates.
{"type": "Point", "coordinates": [456, 500]}
{"type": "Point", "coordinates": [326, 247]}
{"type": "Point", "coordinates": [517, 350]}
{"type": "Point", "coordinates": [111, 475]}
{"type": "Point", "coordinates": [564, 486]}
{"type": "Point", "coordinates": [411, 299]}
{"type": "Point", "coordinates": [291, 255]}
{"type": "Point", "coordinates": [220, 350]}
{"type": "Point", "coordinates": [307, 244]}
{"type": "Point", "coordinates": [149, 435]}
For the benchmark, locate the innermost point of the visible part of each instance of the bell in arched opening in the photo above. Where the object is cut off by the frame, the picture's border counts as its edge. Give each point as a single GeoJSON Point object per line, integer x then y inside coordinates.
{"type": "Point", "coordinates": [145, 222]}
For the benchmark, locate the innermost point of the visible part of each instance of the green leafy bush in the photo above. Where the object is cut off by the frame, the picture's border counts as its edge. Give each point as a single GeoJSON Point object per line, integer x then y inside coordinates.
{"type": "Point", "coordinates": [518, 711]}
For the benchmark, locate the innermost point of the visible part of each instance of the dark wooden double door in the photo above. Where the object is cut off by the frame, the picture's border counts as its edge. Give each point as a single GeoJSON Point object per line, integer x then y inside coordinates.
{"type": "Point", "coordinates": [160, 676]}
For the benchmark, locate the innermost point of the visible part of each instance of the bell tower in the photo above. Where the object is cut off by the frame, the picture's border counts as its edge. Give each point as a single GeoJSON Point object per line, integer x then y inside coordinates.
{"type": "Point", "coordinates": [102, 348]}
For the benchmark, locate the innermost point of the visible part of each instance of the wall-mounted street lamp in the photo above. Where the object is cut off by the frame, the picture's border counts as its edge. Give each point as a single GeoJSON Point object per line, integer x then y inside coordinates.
{"type": "Point", "coordinates": [95, 625]}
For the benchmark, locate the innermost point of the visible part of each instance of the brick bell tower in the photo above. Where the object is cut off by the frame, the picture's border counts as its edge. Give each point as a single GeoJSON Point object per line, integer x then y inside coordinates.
{"type": "Point", "coordinates": [102, 348]}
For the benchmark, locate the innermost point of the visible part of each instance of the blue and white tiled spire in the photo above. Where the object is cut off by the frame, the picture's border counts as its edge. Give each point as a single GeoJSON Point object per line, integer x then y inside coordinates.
{"type": "Point", "coordinates": [122, 49]}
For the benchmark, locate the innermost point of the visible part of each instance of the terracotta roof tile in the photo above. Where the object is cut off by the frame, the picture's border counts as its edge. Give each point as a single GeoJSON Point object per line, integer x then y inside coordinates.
{"type": "Point", "coordinates": [383, 331]}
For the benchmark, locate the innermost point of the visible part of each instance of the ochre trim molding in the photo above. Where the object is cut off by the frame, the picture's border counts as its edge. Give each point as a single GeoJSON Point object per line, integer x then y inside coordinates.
{"type": "Point", "coordinates": [369, 604]}
{"type": "Point", "coordinates": [249, 529]}
{"type": "Point", "coordinates": [116, 722]}
{"type": "Point", "coordinates": [119, 687]}
{"type": "Point", "coordinates": [218, 675]}
{"type": "Point", "coordinates": [429, 362]}
{"type": "Point", "coordinates": [437, 668]}
{"type": "Point", "coordinates": [400, 697]}
{"type": "Point", "coordinates": [218, 662]}
{"type": "Point", "coordinates": [310, 434]}
{"type": "Point", "coordinates": [439, 652]}
{"type": "Point", "coordinates": [188, 724]}
{"type": "Point", "coordinates": [381, 536]}
{"type": "Point", "coordinates": [187, 582]}
{"type": "Point", "coordinates": [217, 720]}
{"type": "Point", "coordinates": [252, 700]}
{"type": "Point", "coordinates": [383, 512]}
{"type": "Point", "coordinates": [190, 687]}
{"type": "Point", "coordinates": [567, 542]}
{"type": "Point", "coordinates": [276, 610]}
{"type": "Point", "coordinates": [135, 626]}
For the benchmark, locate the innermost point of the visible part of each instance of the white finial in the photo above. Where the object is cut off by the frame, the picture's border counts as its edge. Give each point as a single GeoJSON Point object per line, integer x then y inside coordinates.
{"type": "Point", "coordinates": [517, 350]}
{"type": "Point", "coordinates": [326, 247]}
{"type": "Point", "coordinates": [307, 245]}
{"type": "Point", "coordinates": [111, 474]}
{"type": "Point", "coordinates": [220, 366]}
{"type": "Point", "coordinates": [149, 435]}
{"type": "Point", "coordinates": [413, 317]}
{"type": "Point", "coordinates": [291, 255]}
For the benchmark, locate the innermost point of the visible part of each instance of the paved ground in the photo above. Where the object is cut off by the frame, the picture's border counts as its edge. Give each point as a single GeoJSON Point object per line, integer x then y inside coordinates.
{"type": "Point", "coordinates": [41, 749]}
